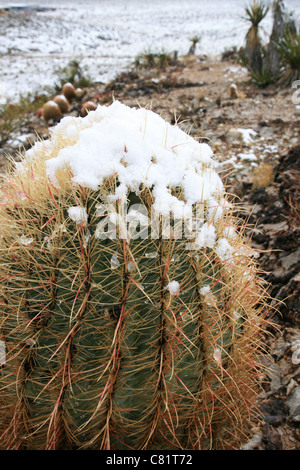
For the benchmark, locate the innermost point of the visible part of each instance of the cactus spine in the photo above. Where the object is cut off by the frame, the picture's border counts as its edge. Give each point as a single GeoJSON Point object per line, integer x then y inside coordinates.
{"type": "Point", "coordinates": [114, 343]}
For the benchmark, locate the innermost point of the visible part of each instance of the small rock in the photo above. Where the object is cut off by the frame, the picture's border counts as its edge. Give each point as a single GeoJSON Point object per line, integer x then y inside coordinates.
{"type": "Point", "coordinates": [273, 229]}
{"type": "Point", "coordinates": [292, 384]}
{"type": "Point", "coordinates": [274, 411]}
{"type": "Point", "coordinates": [271, 438]}
{"type": "Point", "coordinates": [293, 403]}
{"type": "Point", "coordinates": [291, 259]}
{"type": "Point", "coordinates": [274, 374]}
{"type": "Point", "coordinates": [279, 348]}
{"type": "Point", "coordinates": [254, 442]}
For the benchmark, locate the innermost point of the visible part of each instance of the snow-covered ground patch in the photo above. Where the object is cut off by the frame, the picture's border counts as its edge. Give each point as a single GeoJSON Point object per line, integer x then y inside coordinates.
{"type": "Point", "coordinates": [106, 36]}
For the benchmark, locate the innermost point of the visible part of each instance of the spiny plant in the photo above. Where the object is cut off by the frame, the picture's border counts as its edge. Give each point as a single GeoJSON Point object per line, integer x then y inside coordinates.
{"type": "Point", "coordinates": [112, 338]}
{"type": "Point", "coordinates": [150, 59]}
{"type": "Point", "coordinates": [194, 40]}
{"type": "Point", "coordinates": [289, 50]}
{"type": "Point", "coordinates": [262, 78]}
{"type": "Point", "coordinates": [282, 21]}
{"type": "Point", "coordinates": [279, 62]}
{"type": "Point", "coordinates": [73, 73]}
{"type": "Point", "coordinates": [253, 51]}
{"type": "Point", "coordinates": [256, 12]}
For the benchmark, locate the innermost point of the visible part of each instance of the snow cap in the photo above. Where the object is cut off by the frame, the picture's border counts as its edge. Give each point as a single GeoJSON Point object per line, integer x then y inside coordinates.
{"type": "Point", "coordinates": [142, 149]}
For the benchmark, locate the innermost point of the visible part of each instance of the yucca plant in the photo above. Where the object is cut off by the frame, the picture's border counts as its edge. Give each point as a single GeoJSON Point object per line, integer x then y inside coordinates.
{"type": "Point", "coordinates": [253, 50]}
{"type": "Point", "coordinates": [289, 50]}
{"type": "Point", "coordinates": [256, 12]}
{"type": "Point", "coordinates": [112, 337]}
{"type": "Point", "coordinates": [282, 21]}
{"type": "Point", "coordinates": [150, 59]}
{"type": "Point", "coordinates": [262, 78]}
{"type": "Point", "coordinates": [194, 40]}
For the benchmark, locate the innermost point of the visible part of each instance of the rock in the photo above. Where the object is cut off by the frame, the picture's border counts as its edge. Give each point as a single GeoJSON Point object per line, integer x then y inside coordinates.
{"type": "Point", "coordinates": [291, 385]}
{"type": "Point", "coordinates": [295, 348]}
{"type": "Point", "coordinates": [279, 348]}
{"type": "Point", "coordinates": [275, 375]}
{"type": "Point", "coordinates": [289, 294]}
{"type": "Point", "coordinates": [39, 113]}
{"type": "Point", "coordinates": [273, 229]}
{"type": "Point", "coordinates": [290, 260]}
{"type": "Point", "coordinates": [271, 438]}
{"type": "Point", "coordinates": [242, 135]}
{"type": "Point", "coordinates": [293, 403]}
{"type": "Point", "coordinates": [287, 240]}
{"type": "Point", "coordinates": [254, 442]}
{"type": "Point", "coordinates": [274, 411]}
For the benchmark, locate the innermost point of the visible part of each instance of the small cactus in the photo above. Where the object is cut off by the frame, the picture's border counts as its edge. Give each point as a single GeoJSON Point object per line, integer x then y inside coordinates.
{"type": "Point", "coordinates": [115, 336]}
{"type": "Point", "coordinates": [87, 106]}
{"type": "Point", "coordinates": [51, 110]}
{"type": "Point", "coordinates": [79, 93]}
{"type": "Point", "coordinates": [62, 102]}
{"type": "Point", "coordinates": [69, 91]}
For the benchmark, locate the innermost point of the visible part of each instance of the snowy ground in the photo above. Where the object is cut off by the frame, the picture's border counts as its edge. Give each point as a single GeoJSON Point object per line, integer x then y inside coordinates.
{"type": "Point", "coordinates": [106, 35]}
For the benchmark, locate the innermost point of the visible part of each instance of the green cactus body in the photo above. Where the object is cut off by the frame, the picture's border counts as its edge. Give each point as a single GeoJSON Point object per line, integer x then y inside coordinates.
{"type": "Point", "coordinates": [117, 342]}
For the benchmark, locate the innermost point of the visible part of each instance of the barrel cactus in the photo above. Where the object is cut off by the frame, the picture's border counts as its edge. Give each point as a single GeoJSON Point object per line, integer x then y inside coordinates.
{"type": "Point", "coordinates": [131, 307]}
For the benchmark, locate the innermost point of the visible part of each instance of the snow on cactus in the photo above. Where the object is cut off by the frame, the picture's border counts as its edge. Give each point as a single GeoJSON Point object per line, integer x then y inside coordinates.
{"type": "Point", "coordinates": [131, 309]}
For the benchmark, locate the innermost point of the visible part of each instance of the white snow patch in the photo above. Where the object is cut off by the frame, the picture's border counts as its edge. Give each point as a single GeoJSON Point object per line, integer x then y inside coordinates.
{"type": "Point", "coordinates": [236, 315]}
{"type": "Point", "coordinates": [224, 249]}
{"type": "Point", "coordinates": [78, 214]}
{"type": "Point", "coordinates": [206, 236]}
{"type": "Point", "coordinates": [247, 156]}
{"type": "Point", "coordinates": [229, 232]}
{"type": "Point", "coordinates": [52, 104]}
{"type": "Point", "coordinates": [114, 262]}
{"type": "Point", "coordinates": [25, 241]}
{"type": "Point", "coordinates": [214, 210]}
{"type": "Point", "coordinates": [173, 287]}
{"type": "Point", "coordinates": [151, 254]}
{"type": "Point", "coordinates": [217, 355]}
{"type": "Point", "coordinates": [2, 353]}
{"type": "Point", "coordinates": [157, 155]}
{"type": "Point", "coordinates": [204, 290]}
{"type": "Point", "coordinates": [32, 50]}
{"type": "Point", "coordinates": [137, 217]}
{"type": "Point", "coordinates": [247, 135]}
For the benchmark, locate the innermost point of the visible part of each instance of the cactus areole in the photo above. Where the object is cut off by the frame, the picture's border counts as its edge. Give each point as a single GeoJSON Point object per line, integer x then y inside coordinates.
{"type": "Point", "coordinates": [131, 309]}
